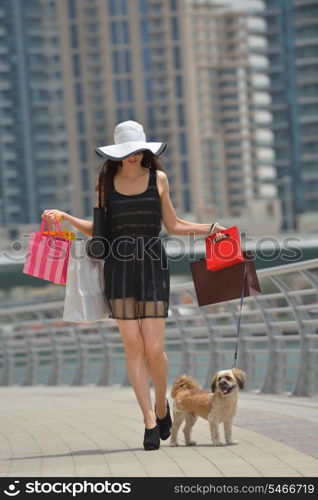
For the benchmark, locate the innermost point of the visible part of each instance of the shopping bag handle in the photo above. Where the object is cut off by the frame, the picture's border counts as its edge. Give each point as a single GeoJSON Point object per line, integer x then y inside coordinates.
{"type": "Point", "coordinates": [46, 222]}
{"type": "Point", "coordinates": [218, 238]}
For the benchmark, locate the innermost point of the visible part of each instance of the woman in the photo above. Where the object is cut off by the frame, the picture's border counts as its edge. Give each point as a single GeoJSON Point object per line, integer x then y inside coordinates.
{"type": "Point", "coordinates": [136, 191]}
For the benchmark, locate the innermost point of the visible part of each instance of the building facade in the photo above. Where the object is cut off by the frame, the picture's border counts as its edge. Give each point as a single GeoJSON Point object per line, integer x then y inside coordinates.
{"type": "Point", "coordinates": [124, 60]}
{"type": "Point", "coordinates": [72, 69]}
{"type": "Point", "coordinates": [235, 147]}
{"type": "Point", "coordinates": [292, 51]}
{"type": "Point", "coordinates": [34, 165]}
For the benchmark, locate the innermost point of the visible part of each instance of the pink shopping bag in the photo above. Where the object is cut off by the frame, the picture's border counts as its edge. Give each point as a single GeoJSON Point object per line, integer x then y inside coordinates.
{"type": "Point", "coordinates": [48, 255]}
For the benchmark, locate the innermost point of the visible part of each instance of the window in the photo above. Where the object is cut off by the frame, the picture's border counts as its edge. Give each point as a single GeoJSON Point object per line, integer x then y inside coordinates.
{"type": "Point", "coordinates": [123, 90]}
{"type": "Point", "coordinates": [127, 61]}
{"type": "Point", "coordinates": [78, 93]}
{"type": "Point", "coordinates": [120, 115]}
{"type": "Point", "coordinates": [234, 144]}
{"type": "Point", "coordinates": [93, 42]}
{"type": "Point", "coordinates": [121, 61]}
{"type": "Point", "coordinates": [144, 30]}
{"type": "Point", "coordinates": [100, 114]}
{"type": "Point", "coordinates": [130, 92]}
{"type": "Point", "coordinates": [233, 119]}
{"type": "Point", "coordinates": [119, 32]}
{"type": "Point", "coordinates": [87, 203]}
{"type": "Point", "coordinates": [180, 114]}
{"type": "Point", "coordinates": [149, 88]}
{"type": "Point", "coordinates": [150, 117]}
{"type": "Point", "coordinates": [233, 156]}
{"type": "Point", "coordinates": [307, 31]}
{"type": "Point", "coordinates": [310, 89]}
{"type": "Point", "coordinates": [112, 7]}
{"type": "Point", "coordinates": [175, 28]}
{"type": "Point", "coordinates": [173, 4]}
{"type": "Point", "coordinates": [227, 71]}
{"type": "Point", "coordinates": [83, 152]}
{"type": "Point", "coordinates": [147, 60]}
{"type": "Point", "coordinates": [185, 172]}
{"type": "Point", "coordinates": [186, 200]}
{"type": "Point", "coordinates": [113, 32]}
{"type": "Point", "coordinates": [97, 71]}
{"type": "Point", "coordinates": [81, 122]}
{"type": "Point", "coordinates": [177, 57]}
{"type": "Point", "coordinates": [156, 37]}
{"type": "Point", "coordinates": [92, 27]}
{"type": "Point", "coordinates": [229, 108]}
{"type": "Point", "coordinates": [74, 36]}
{"type": "Point", "coordinates": [76, 61]}
{"type": "Point", "coordinates": [178, 84]}
{"type": "Point", "coordinates": [307, 51]}
{"type": "Point", "coordinates": [143, 6]}
{"type": "Point", "coordinates": [126, 114]}
{"type": "Point", "coordinates": [117, 7]}
{"type": "Point", "coordinates": [183, 143]}
{"type": "Point", "coordinates": [85, 179]}
{"type": "Point", "coordinates": [71, 4]}
{"type": "Point", "coordinates": [117, 89]}
{"type": "Point", "coordinates": [115, 62]}
{"type": "Point", "coordinates": [97, 85]}
{"type": "Point", "coordinates": [95, 56]}
{"type": "Point", "coordinates": [92, 12]}
{"type": "Point", "coordinates": [131, 114]}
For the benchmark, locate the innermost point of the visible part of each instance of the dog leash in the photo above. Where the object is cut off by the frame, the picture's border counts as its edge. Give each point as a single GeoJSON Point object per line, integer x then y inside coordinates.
{"type": "Point", "coordinates": [238, 326]}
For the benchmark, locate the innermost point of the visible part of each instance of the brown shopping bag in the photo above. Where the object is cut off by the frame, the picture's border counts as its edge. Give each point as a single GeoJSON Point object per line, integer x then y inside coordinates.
{"type": "Point", "coordinates": [225, 284]}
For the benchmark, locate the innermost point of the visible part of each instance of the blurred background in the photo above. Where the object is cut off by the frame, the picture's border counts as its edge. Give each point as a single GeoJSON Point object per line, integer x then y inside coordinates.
{"type": "Point", "coordinates": [231, 86]}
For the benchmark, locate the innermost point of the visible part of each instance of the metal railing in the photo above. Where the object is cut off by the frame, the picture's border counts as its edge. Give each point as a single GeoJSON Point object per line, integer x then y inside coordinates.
{"type": "Point", "coordinates": [278, 345]}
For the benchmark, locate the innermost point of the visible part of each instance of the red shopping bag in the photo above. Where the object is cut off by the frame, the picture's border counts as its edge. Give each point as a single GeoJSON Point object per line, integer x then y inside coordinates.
{"type": "Point", "coordinates": [223, 252]}
{"type": "Point", "coordinates": [48, 254]}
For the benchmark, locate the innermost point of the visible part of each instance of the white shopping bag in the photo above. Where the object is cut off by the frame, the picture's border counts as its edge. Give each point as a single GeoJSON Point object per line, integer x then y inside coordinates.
{"type": "Point", "coordinates": [85, 299]}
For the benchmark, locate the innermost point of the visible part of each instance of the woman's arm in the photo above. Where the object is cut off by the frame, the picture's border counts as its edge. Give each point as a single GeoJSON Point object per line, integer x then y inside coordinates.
{"type": "Point", "coordinates": [185, 223]}
{"type": "Point", "coordinates": [172, 223]}
{"type": "Point", "coordinates": [84, 226]}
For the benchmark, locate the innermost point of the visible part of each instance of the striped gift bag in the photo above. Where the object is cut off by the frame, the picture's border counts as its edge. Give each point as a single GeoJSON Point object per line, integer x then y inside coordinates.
{"type": "Point", "coordinates": [48, 254]}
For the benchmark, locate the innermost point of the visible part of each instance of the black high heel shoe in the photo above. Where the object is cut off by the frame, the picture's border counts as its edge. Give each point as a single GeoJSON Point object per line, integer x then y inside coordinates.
{"type": "Point", "coordinates": [152, 438]}
{"type": "Point", "coordinates": [164, 424]}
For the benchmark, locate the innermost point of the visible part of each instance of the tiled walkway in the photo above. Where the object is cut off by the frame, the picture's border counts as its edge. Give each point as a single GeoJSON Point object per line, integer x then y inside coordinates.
{"type": "Point", "coordinates": [97, 432]}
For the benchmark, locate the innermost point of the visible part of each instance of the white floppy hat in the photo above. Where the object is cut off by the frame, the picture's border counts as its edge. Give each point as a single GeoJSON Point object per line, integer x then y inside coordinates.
{"type": "Point", "coordinates": [129, 138]}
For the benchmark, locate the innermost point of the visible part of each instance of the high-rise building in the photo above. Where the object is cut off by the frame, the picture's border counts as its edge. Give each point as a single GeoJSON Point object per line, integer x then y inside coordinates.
{"type": "Point", "coordinates": [72, 69]}
{"type": "Point", "coordinates": [125, 60]}
{"type": "Point", "coordinates": [292, 51]}
{"type": "Point", "coordinates": [235, 147]}
{"type": "Point", "coordinates": [34, 165]}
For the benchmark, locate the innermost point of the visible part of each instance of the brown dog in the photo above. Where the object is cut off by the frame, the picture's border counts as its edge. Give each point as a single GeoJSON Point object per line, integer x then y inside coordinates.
{"type": "Point", "coordinates": [191, 402]}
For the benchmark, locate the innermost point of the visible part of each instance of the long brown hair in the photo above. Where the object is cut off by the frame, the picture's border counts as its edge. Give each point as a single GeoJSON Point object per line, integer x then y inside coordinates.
{"type": "Point", "coordinates": [109, 169]}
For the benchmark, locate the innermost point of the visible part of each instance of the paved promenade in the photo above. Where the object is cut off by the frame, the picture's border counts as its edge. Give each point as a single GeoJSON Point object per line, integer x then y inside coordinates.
{"type": "Point", "coordinates": [97, 432]}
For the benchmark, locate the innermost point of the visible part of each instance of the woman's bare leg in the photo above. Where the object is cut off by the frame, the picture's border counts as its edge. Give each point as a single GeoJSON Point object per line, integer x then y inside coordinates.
{"type": "Point", "coordinates": [152, 331]}
{"type": "Point", "coordinates": [136, 367]}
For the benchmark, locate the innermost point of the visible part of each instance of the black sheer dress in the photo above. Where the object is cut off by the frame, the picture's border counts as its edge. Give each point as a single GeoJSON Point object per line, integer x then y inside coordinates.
{"type": "Point", "coordinates": [137, 276]}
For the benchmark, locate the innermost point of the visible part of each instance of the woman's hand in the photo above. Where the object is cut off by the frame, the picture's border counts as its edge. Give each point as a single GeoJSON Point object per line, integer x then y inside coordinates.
{"type": "Point", "coordinates": [84, 226]}
{"type": "Point", "coordinates": [52, 215]}
{"type": "Point", "coordinates": [219, 235]}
